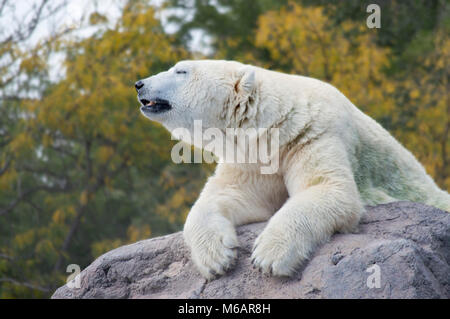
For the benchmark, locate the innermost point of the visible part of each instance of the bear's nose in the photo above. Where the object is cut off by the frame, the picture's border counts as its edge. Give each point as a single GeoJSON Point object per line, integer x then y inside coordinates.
{"type": "Point", "coordinates": [138, 85]}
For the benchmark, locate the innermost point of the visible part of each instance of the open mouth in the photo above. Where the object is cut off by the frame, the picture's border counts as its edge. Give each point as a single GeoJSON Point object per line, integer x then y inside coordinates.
{"type": "Point", "coordinates": [155, 106]}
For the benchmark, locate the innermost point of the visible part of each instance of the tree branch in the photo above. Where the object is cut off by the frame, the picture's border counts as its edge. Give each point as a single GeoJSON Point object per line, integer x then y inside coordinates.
{"type": "Point", "coordinates": [24, 33]}
{"type": "Point", "coordinates": [82, 210]}
{"type": "Point", "coordinates": [3, 5]}
{"type": "Point", "coordinates": [5, 167]}
{"type": "Point", "coordinates": [25, 284]}
{"type": "Point", "coordinates": [31, 191]}
{"type": "Point", "coordinates": [6, 257]}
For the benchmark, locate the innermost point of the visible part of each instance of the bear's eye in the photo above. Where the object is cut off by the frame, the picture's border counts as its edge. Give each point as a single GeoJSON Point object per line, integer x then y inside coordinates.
{"type": "Point", "coordinates": [180, 72]}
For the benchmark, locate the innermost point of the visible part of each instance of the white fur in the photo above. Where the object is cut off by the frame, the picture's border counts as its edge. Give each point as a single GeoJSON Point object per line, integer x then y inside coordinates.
{"type": "Point", "coordinates": [333, 160]}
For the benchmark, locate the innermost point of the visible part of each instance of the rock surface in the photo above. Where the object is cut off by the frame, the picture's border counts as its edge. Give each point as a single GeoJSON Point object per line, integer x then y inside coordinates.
{"type": "Point", "coordinates": [409, 242]}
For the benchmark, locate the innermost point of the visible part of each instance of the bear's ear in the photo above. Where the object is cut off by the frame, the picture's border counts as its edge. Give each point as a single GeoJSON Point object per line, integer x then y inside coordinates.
{"type": "Point", "coordinates": [245, 82]}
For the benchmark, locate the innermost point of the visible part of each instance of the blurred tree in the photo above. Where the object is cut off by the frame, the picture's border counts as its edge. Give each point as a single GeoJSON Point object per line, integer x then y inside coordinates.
{"type": "Point", "coordinates": [85, 159]}
{"type": "Point", "coordinates": [400, 20]}
{"type": "Point", "coordinates": [180, 199]}
{"type": "Point", "coordinates": [22, 70]}
{"type": "Point", "coordinates": [424, 98]}
{"type": "Point", "coordinates": [23, 73]}
{"type": "Point", "coordinates": [302, 40]}
{"type": "Point", "coordinates": [229, 23]}
{"type": "Point", "coordinates": [232, 23]}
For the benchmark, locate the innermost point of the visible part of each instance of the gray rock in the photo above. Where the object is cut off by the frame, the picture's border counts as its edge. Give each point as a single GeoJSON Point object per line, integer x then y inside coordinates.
{"type": "Point", "coordinates": [409, 242]}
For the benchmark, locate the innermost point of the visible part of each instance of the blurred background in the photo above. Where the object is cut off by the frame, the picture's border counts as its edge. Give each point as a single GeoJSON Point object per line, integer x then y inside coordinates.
{"type": "Point", "coordinates": [82, 172]}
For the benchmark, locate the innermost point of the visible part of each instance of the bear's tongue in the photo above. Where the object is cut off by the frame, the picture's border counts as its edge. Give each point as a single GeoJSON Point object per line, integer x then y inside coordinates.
{"type": "Point", "coordinates": [147, 102]}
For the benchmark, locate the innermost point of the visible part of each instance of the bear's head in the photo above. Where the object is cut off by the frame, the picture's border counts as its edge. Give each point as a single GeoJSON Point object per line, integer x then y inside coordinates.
{"type": "Point", "coordinates": [219, 93]}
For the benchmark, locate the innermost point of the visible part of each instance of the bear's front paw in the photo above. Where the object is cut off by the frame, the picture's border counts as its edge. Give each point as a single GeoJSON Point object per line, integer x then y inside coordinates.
{"type": "Point", "coordinates": [213, 251]}
{"type": "Point", "coordinates": [277, 253]}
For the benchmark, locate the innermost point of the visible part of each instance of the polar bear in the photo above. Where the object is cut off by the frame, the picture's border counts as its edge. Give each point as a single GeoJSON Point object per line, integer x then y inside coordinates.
{"type": "Point", "coordinates": [333, 160]}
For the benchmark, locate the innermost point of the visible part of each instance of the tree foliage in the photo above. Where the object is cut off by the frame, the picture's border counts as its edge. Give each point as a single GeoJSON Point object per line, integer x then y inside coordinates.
{"type": "Point", "coordinates": [84, 159]}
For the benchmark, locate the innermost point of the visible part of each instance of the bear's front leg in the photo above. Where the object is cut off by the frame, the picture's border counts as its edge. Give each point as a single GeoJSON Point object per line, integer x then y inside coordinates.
{"type": "Point", "coordinates": [212, 240]}
{"type": "Point", "coordinates": [232, 197]}
{"type": "Point", "coordinates": [323, 200]}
